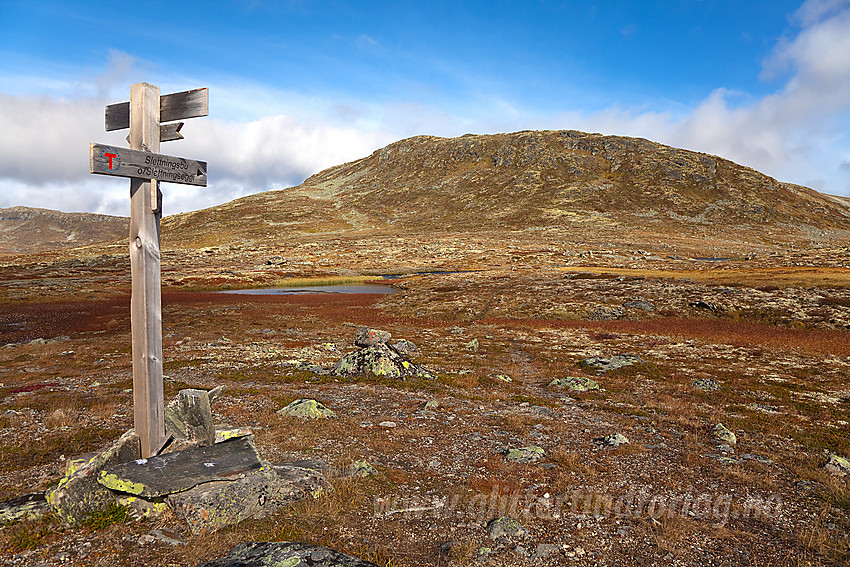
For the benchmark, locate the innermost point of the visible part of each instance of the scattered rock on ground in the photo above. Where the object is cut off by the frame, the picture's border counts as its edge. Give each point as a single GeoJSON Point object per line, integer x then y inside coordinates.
{"type": "Point", "coordinates": [575, 383]}
{"type": "Point", "coordinates": [285, 554]}
{"type": "Point", "coordinates": [639, 304]}
{"type": "Point", "coordinates": [30, 505]}
{"type": "Point", "coordinates": [604, 313]}
{"type": "Point", "coordinates": [837, 465]}
{"type": "Point", "coordinates": [544, 550]}
{"type": "Point", "coordinates": [706, 384]}
{"type": "Point", "coordinates": [507, 528]}
{"type": "Point", "coordinates": [713, 307]}
{"type": "Point", "coordinates": [613, 440]}
{"type": "Point", "coordinates": [307, 408]}
{"type": "Point", "coordinates": [724, 435]}
{"type": "Point", "coordinates": [307, 366]}
{"type": "Point", "coordinates": [360, 468]}
{"type": "Point", "coordinates": [601, 365]}
{"type": "Point", "coordinates": [530, 454]}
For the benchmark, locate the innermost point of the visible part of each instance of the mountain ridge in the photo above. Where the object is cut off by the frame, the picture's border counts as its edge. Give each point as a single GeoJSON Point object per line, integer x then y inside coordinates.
{"type": "Point", "coordinates": [30, 229]}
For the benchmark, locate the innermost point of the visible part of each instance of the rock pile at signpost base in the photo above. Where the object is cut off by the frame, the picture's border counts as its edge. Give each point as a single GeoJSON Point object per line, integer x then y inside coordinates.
{"type": "Point", "coordinates": [209, 477]}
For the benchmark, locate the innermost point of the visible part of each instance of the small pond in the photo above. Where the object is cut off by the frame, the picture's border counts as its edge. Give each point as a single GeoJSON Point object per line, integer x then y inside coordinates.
{"type": "Point", "coordinates": [341, 288]}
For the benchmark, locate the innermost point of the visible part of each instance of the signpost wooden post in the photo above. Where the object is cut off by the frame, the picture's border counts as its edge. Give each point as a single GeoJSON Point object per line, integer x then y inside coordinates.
{"type": "Point", "coordinates": [145, 167]}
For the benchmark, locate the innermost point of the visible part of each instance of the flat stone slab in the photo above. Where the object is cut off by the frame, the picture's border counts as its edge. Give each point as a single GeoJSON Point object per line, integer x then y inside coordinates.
{"type": "Point", "coordinates": [286, 554]}
{"type": "Point", "coordinates": [182, 470]}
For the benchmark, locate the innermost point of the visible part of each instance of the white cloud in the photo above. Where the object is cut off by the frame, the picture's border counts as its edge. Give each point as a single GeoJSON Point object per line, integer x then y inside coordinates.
{"type": "Point", "coordinates": [260, 138]}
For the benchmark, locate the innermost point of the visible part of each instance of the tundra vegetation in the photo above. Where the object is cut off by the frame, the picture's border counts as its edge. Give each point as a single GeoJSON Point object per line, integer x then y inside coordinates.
{"type": "Point", "coordinates": [660, 338]}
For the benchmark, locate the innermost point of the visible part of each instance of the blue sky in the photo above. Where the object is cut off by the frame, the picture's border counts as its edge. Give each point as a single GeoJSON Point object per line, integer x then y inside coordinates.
{"type": "Point", "coordinates": [297, 86]}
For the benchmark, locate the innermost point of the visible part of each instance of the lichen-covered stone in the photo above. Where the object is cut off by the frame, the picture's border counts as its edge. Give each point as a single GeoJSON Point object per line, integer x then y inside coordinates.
{"type": "Point", "coordinates": [507, 528]}
{"type": "Point", "coordinates": [360, 468]}
{"type": "Point", "coordinates": [706, 384]}
{"type": "Point", "coordinates": [724, 435]}
{"type": "Point", "coordinates": [378, 361]}
{"type": "Point", "coordinates": [575, 383]}
{"type": "Point", "coordinates": [30, 505]}
{"type": "Point", "coordinates": [366, 337]}
{"type": "Point", "coordinates": [254, 494]}
{"type": "Point", "coordinates": [837, 465]}
{"type": "Point", "coordinates": [530, 454]}
{"type": "Point", "coordinates": [140, 509]}
{"type": "Point", "coordinates": [213, 505]}
{"type": "Point", "coordinates": [307, 408]}
{"type": "Point", "coordinates": [601, 365]}
{"type": "Point", "coordinates": [78, 493]}
{"type": "Point", "coordinates": [285, 554]}
{"type": "Point", "coordinates": [304, 478]}
{"type": "Point", "coordinates": [613, 440]}
{"type": "Point", "coordinates": [405, 347]}
{"type": "Point", "coordinates": [223, 433]}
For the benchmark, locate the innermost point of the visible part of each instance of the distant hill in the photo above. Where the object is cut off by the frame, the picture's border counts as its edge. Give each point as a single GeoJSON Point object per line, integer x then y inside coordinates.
{"type": "Point", "coordinates": [524, 180]}
{"type": "Point", "coordinates": [25, 229]}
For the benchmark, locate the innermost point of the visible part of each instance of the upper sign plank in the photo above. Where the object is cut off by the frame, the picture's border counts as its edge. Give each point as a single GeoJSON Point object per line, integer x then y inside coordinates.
{"type": "Point", "coordinates": [174, 106]}
{"type": "Point", "coordinates": [123, 162]}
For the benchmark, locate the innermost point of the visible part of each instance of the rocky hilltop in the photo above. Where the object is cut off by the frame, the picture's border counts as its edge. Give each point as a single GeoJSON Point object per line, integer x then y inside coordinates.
{"type": "Point", "coordinates": [528, 180]}
{"type": "Point", "coordinates": [26, 229]}
{"type": "Point", "coordinates": [538, 178]}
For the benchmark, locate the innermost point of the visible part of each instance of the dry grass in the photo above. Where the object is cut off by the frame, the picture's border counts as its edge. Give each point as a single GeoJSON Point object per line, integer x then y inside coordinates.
{"type": "Point", "coordinates": [767, 278]}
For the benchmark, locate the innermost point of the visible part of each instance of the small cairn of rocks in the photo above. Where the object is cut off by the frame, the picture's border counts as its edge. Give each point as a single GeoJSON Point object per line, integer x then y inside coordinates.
{"type": "Point", "coordinates": [377, 357]}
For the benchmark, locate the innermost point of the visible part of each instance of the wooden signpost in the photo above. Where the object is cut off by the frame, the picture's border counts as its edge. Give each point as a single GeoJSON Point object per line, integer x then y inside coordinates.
{"type": "Point", "coordinates": [146, 167]}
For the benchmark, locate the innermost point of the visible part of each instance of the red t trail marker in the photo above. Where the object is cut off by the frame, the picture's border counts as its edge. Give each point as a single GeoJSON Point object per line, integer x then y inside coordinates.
{"type": "Point", "coordinates": [144, 115]}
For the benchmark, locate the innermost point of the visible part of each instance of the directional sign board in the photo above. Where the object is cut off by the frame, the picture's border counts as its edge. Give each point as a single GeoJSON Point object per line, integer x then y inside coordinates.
{"type": "Point", "coordinates": [112, 160]}
{"type": "Point", "coordinates": [174, 106]}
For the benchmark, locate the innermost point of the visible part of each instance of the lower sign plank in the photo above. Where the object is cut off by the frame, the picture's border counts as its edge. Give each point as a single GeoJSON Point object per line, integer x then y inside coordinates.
{"type": "Point", "coordinates": [123, 162]}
